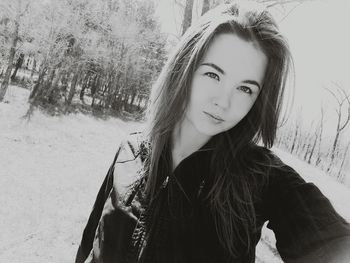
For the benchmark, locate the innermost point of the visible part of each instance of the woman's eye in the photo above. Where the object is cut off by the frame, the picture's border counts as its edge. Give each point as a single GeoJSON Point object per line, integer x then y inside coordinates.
{"type": "Point", "coordinates": [246, 89]}
{"type": "Point", "coordinates": [212, 75]}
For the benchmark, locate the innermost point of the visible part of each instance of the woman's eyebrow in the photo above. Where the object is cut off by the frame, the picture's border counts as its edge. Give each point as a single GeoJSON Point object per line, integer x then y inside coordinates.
{"type": "Point", "coordinates": [253, 82]}
{"type": "Point", "coordinates": [214, 66]}
{"type": "Point", "coordinates": [248, 81]}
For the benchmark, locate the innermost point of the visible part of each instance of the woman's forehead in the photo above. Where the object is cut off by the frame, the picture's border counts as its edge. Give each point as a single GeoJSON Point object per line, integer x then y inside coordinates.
{"type": "Point", "coordinates": [235, 55]}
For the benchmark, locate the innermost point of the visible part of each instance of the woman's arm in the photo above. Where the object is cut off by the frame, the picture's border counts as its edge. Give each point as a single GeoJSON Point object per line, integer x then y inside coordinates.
{"type": "Point", "coordinates": [90, 228]}
{"type": "Point", "coordinates": [106, 204]}
{"type": "Point", "coordinates": [335, 251]}
{"type": "Point", "coordinates": [306, 226]}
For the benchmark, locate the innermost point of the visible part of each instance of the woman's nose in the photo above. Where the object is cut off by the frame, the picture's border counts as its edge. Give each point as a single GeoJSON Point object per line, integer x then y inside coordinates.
{"type": "Point", "coordinates": [222, 99]}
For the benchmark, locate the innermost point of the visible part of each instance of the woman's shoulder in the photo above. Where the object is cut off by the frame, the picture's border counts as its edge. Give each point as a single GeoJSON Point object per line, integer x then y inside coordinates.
{"type": "Point", "coordinates": [264, 157]}
{"type": "Point", "coordinates": [129, 162]}
{"type": "Point", "coordinates": [277, 172]}
{"type": "Point", "coordinates": [282, 179]}
{"type": "Point", "coordinates": [132, 145]}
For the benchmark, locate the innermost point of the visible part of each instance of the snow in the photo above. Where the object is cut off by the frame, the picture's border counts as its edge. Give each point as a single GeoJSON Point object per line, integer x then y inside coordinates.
{"type": "Point", "coordinates": [52, 168]}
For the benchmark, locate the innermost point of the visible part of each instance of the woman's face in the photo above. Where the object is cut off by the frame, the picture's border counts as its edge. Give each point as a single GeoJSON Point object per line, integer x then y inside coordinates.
{"type": "Point", "coordinates": [225, 85]}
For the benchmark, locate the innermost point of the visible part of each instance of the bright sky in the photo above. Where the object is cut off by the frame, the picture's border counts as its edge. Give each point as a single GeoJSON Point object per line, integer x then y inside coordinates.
{"type": "Point", "coordinates": [319, 36]}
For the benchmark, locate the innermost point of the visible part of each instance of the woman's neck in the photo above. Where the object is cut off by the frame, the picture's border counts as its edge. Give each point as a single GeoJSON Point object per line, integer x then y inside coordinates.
{"type": "Point", "coordinates": [186, 140]}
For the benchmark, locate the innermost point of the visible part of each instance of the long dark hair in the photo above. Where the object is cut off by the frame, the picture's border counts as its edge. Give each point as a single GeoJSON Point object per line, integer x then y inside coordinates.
{"type": "Point", "coordinates": [232, 192]}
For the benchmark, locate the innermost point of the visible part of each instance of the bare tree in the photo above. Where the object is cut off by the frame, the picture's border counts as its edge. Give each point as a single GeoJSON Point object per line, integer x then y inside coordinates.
{"type": "Point", "coordinates": [295, 138]}
{"type": "Point", "coordinates": [205, 6]}
{"type": "Point", "coordinates": [208, 4]}
{"type": "Point", "coordinates": [271, 3]}
{"type": "Point", "coordinates": [318, 138]}
{"type": "Point", "coordinates": [15, 37]}
{"type": "Point", "coordinates": [19, 64]}
{"type": "Point", "coordinates": [343, 101]}
{"type": "Point", "coordinates": [296, 135]}
{"type": "Point", "coordinates": [340, 176]}
{"type": "Point", "coordinates": [318, 159]}
{"type": "Point", "coordinates": [187, 19]}
{"type": "Point", "coordinates": [73, 85]}
{"type": "Point", "coordinates": [306, 144]}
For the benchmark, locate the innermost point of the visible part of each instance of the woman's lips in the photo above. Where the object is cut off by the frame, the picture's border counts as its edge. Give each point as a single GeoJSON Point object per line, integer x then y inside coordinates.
{"type": "Point", "coordinates": [213, 116]}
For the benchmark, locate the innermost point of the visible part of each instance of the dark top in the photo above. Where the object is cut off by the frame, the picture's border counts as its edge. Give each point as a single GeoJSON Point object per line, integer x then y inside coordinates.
{"type": "Point", "coordinates": [306, 226]}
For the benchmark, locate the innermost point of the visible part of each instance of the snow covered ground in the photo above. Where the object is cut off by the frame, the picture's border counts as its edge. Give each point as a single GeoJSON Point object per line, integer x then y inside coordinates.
{"type": "Point", "coordinates": [51, 169]}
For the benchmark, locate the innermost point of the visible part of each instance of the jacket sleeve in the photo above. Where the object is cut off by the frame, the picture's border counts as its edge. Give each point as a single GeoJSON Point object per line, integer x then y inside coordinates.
{"type": "Point", "coordinates": [306, 226]}
{"type": "Point", "coordinates": [91, 226]}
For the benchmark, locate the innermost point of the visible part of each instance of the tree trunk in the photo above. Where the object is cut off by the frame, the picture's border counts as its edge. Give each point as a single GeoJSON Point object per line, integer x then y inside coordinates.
{"type": "Point", "coordinates": [54, 92]}
{"type": "Point", "coordinates": [33, 69]}
{"type": "Point", "coordinates": [94, 88]}
{"type": "Point", "coordinates": [85, 85]}
{"type": "Point", "coordinates": [110, 92]}
{"type": "Point", "coordinates": [343, 97]}
{"type": "Point", "coordinates": [335, 143]}
{"type": "Point", "coordinates": [45, 85]}
{"type": "Point", "coordinates": [5, 82]}
{"type": "Point", "coordinates": [125, 101]}
{"type": "Point", "coordinates": [205, 6]}
{"type": "Point", "coordinates": [73, 86]}
{"type": "Point", "coordinates": [95, 85]}
{"type": "Point", "coordinates": [187, 20]}
{"type": "Point", "coordinates": [295, 138]}
{"type": "Point", "coordinates": [18, 65]}
{"type": "Point", "coordinates": [37, 85]}
{"type": "Point", "coordinates": [307, 151]}
{"type": "Point", "coordinates": [342, 163]}
{"type": "Point", "coordinates": [54, 84]}
{"type": "Point", "coordinates": [133, 96]}
{"type": "Point", "coordinates": [139, 102]}
{"type": "Point", "coordinates": [313, 148]}
{"type": "Point", "coordinates": [318, 159]}
{"type": "Point", "coordinates": [116, 103]}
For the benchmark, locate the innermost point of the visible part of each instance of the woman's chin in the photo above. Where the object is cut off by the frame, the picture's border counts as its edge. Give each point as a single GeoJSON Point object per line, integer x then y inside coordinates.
{"type": "Point", "coordinates": [209, 130]}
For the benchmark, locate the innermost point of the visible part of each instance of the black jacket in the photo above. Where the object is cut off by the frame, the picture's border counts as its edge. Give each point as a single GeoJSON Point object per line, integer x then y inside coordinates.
{"type": "Point", "coordinates": [306, 226]}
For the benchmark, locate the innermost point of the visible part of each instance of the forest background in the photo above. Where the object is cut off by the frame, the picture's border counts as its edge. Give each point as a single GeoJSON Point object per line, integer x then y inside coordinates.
{"type": "Point", "coordinates": [99, 58]}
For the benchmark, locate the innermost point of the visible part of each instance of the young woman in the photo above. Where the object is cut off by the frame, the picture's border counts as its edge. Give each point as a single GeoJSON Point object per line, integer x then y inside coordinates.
{"type": "Point", "coordinates": [196, 187]}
